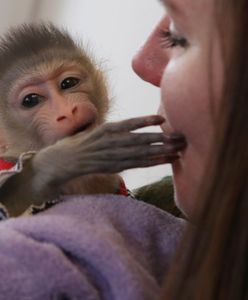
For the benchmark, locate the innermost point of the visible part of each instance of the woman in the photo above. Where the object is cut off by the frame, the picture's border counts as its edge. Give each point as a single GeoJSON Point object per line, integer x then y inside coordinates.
{"type": "Point", "coordinates": [201, 49]}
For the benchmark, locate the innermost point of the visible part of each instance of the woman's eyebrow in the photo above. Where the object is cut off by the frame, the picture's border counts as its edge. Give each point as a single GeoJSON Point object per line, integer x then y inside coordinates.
{"type": "Point", "coordinates": [173, 6]}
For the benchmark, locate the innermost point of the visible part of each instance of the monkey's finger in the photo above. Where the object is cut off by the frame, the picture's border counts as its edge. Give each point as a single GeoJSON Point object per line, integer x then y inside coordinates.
{"type": "Point", "coordinates": [139, 152]}
{"type": "Point", "coordinates": [148, 162]}
{"type": "Point", "coordinates": [110, 167]}
{"type": "Point", "coordinates": [127, 139]}
{"type": "Point", "coordinates": [130, 139]}
{"type": "Point", "coordinates": [142, 152]}
{"type": "Point", "coordinates": [133, 123]}
{"type": "Point", "coordinates": [134, 139]}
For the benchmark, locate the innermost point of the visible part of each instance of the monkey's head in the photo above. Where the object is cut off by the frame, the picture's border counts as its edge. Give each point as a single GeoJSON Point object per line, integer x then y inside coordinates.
{"type": "Point", "coordinates": [50, 88]}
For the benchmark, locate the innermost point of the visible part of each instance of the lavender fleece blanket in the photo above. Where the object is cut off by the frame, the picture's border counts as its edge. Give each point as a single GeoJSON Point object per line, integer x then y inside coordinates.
{"type": "Point", "coordinates": [92, 247]}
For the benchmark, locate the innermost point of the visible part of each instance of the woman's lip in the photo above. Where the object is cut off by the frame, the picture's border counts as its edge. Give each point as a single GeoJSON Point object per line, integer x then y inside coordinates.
{"type": "Point", "coordinates": [177, 136]}
{"type": "Point", "coordinates": [166, 128]}
{"type": "Point", "coordinates": [170, 131]}
{"type": "Point", "coordinates": [173, 134]}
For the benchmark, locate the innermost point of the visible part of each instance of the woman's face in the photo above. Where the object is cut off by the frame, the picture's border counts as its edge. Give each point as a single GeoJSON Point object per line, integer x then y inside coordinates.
{"type": "Point", "coordinates": [182, 56]}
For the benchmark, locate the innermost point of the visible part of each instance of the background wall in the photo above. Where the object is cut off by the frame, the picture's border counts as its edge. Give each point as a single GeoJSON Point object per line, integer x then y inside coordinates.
{"type": "Point", "coordinates": [115, 30]}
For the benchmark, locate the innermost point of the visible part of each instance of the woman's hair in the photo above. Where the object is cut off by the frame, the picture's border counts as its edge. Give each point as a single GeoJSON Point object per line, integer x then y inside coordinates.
{"type": "Point", "coordinates": [212, 262]}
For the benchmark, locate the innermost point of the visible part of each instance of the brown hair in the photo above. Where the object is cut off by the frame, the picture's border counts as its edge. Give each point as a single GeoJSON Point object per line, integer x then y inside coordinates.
{"type": "Point", "coordinates": [212, 262]}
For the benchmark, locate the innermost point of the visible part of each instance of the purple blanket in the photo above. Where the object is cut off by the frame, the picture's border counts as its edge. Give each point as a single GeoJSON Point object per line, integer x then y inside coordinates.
{"type": "Point", "coordinates": [95, 247]}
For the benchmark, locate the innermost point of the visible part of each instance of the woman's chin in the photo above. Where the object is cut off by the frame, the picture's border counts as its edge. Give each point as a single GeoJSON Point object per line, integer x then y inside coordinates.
{"type": "Point", "coordinates": [186, 177]}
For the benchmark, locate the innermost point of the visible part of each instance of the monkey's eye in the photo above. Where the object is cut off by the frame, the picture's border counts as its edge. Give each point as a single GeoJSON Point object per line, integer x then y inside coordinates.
{"type": "Point", "coordinates": [31, 100]}
{"type": "Point", "coordinates": [69, 82]}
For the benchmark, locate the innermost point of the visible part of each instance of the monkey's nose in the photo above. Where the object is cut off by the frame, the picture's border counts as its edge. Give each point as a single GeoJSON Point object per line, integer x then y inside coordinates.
{"type": "Point", "coordinates": [68, 114]}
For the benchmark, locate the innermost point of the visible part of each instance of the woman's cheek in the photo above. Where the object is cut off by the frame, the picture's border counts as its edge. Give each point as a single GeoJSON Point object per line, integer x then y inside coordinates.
{"type": "Point", "coordinates": [185, 100]}
{"type": "Point", "coordinates": [186, 105]}
{"type": "Point", "coordinates": [173, 103]}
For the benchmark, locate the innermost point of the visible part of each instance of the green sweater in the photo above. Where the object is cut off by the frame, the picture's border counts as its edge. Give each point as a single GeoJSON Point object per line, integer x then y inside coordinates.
{"type": "Point", "coordinates": [160, 194]}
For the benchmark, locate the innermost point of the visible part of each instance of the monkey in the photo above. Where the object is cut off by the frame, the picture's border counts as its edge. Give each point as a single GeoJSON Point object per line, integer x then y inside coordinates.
{"type": "Point", "coordinates": [53, 123]}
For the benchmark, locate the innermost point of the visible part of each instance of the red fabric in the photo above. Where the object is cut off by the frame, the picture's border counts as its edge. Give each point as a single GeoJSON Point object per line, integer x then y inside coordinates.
{"type": "Point", "coordinates": [123, 190]}
{"type": "Point", "coordinates": [6, 165]}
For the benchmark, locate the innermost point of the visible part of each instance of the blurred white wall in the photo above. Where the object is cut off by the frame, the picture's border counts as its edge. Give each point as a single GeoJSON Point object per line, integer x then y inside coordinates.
{"type": "Point", "coordinates": [13, 12]}
{"type": "Point", "coordinates": [115, 30]}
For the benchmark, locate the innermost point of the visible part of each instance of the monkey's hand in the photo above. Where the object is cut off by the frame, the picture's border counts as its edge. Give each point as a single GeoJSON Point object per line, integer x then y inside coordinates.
{"type": "Point", "coordinates": [111, 148]}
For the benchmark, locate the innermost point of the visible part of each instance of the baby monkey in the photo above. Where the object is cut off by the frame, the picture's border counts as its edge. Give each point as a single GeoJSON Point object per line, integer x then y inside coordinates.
{"type": "Point", "coordinates": [53, 106]}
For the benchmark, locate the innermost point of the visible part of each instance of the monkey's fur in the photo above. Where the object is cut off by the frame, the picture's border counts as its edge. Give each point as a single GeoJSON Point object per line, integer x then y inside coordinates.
{"type": "Point", "coordinates": [54, 100]}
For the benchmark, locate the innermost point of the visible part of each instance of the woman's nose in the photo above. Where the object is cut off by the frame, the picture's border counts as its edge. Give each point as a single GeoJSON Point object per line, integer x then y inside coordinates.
{"type": "Point", "coordinates": [151, 59]}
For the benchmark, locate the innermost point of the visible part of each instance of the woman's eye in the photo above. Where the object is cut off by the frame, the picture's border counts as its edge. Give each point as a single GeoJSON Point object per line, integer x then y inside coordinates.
{"type": "Point", "coordinates": [31, 100]}
{"type": "Point", "coordinates": [69, 82]}
{"type": "Point", "coordinates": [170, 40]}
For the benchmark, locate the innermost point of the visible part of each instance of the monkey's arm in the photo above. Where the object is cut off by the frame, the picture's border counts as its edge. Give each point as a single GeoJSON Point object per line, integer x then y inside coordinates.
{"type": "Point", "coordinates": [15, 189]}
{"type": "Point", "coordinates": [9, 169]}
{"type": "Point", "coordinates": [111, 148]}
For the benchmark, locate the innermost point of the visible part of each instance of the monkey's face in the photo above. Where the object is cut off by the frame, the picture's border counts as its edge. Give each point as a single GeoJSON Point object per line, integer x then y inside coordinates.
{"type": "Point", "coordinates": [53, 101]}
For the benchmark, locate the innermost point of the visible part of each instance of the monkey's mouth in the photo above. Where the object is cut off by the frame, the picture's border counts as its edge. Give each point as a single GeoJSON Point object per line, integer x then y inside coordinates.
{"type": "Point", "coordinates": [82, 128]}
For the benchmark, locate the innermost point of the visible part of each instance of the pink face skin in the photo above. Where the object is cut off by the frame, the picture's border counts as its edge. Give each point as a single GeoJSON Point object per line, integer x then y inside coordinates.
{"type": "Point", "coordinates": [178, 56]}
{"type": "Point", "coordinates": [50, 103]}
